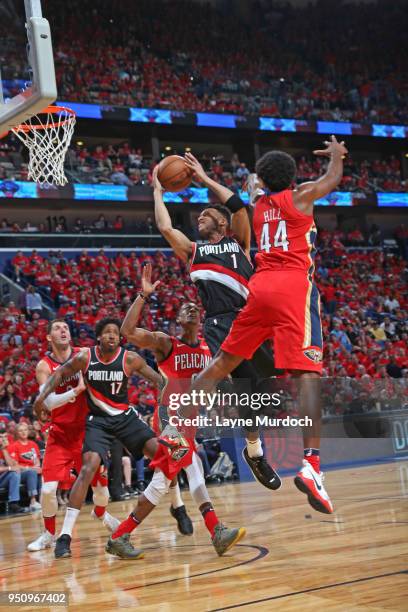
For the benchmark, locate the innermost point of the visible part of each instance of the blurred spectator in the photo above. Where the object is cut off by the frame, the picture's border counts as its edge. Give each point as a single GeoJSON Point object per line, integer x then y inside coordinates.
{"type": "Point", "coordinates": [27, 454]}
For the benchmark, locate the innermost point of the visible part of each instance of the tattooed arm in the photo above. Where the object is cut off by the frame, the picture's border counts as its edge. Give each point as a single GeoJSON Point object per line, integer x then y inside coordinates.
{"type": "Point", "coordinates": [76, 364]}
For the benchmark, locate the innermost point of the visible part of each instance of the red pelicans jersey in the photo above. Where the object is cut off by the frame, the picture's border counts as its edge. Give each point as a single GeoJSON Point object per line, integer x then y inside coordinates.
{"type": "Point", "coordinates": [285, 236]}
{"type": "Point", "coordinates": [181, 365]}
{"type": "Point", "coordinates": [72, 415]}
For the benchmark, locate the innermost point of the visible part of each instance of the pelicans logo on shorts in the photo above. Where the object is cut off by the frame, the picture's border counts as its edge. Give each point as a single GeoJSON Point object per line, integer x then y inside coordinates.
{"type": "Point", "coordinates": [176, 443]}
{"type": "Point", "coordinates": [314, 354]}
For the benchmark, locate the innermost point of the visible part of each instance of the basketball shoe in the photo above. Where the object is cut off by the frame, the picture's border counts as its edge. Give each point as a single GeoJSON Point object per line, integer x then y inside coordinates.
{"type": "Point", "coordinates": [310, 482]}
{"type": "Point", "coordinates": [45, 540]}
{"type": "Point", "coordinates": [225, 538]}
{"type": "Point", "coordinates": [110, 522]}
{"type": "Point", "coordinates": [121, 547]}
{"type": "Point", "coordinates": [184, 524]}
{"type": "Point", "coordinates": [63, 547]}
{"type": "Point", "coordinates": [262, 471]}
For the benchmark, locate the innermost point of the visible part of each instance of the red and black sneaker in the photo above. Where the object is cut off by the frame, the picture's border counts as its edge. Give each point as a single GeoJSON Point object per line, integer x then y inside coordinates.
{"type": "Point", "coordinates": [310, 482]}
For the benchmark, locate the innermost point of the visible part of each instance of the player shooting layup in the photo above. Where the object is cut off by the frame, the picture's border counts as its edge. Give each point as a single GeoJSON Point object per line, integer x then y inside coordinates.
{"type": "Point", "coordinates": [284, 302]}
{"type": "Point", "coordinates": [222, 271]}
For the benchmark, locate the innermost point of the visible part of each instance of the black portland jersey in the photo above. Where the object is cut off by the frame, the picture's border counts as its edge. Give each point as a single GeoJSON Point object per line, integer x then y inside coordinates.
{"type": "Point", "coordinates": [107, 383]}
{"type": "Point", "coordinates": [221, 272]}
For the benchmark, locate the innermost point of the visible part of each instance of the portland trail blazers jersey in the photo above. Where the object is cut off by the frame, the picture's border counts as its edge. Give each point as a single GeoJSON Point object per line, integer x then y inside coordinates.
{"type": "Point", "coordinates": [286, 237]}
{"type": "Point", "coordinates": [183, 362]}
{"type": "Point", "coordinates": [221, 272]}
{"type": "Point", "coordinates": [107, 383]}
{"type": "Point", "coordinates": [72, 415]}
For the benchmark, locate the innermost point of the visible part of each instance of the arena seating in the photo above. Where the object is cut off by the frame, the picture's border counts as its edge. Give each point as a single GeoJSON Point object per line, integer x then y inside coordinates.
{"type": "Point", "coordinates": [261, 64]}
{"type": "Point", "coordinates": [364, 320]}
{"type": "Point", "coordinates": [126, 165]}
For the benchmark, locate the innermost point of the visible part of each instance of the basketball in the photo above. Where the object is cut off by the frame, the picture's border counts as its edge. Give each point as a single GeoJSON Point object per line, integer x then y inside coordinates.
{"type": "Point", "coordinates": [173, 173]}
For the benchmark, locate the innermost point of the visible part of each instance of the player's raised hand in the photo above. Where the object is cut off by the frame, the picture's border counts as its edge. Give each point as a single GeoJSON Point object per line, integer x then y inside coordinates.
{"type": "Point", "coordinates": [332, 146]}
{"type": "Point", "coordinates": [155, 181]}
{"type": "Point", "coordinates": [195, 166]}
{"type": "Point", "coordinates": [147, 286]}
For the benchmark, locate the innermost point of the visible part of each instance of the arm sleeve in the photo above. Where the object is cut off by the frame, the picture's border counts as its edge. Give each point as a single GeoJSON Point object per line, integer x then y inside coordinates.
{"type": "Point", "coordinates": [55, 400]}
{"type": "Point", "coordinates": [234, 203]}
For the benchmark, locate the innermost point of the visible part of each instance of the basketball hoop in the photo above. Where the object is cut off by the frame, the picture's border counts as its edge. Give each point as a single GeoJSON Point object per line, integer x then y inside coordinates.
{"type": "Point", "coordinates": [47, 136]}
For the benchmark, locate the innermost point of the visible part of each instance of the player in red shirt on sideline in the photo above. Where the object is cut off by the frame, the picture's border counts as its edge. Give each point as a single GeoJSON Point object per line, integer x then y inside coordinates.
{"type": "Point", "coordinates": [63, 452]}
{"type": "Point", "coordinates": [178, 360]}
{"type": "Point", "coordinates": [284, 302]}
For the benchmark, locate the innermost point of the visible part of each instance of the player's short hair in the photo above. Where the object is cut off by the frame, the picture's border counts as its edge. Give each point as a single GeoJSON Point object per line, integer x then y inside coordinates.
{"type": "Point", "coordinates": [226, 213]}
{"type": "Point", "coordinates": [277, 170]}
{"type": "Point", "coordinates": [99, 327]}
{"type": "Point", "coordinates": [51, 323]}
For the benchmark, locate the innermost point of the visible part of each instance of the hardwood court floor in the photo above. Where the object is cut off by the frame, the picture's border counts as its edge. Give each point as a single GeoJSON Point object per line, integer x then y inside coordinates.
{"type": "Point", "coordinates": [292, 558]}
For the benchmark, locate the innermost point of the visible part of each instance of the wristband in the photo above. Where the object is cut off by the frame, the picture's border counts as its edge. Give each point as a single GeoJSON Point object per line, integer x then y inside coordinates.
{"type": "Point", "coordinates": [234, 203]}
{"type": "Point", "coordinates": [144, 297]}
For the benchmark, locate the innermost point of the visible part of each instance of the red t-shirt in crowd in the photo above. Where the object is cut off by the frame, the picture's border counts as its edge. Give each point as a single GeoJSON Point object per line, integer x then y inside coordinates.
{"type": "Point", "coordinates": [26, 454]}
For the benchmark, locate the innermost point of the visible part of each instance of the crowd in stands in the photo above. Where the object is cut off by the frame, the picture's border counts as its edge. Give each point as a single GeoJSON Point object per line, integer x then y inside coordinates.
{"type": "Point", "coordinates": [124, 164]}
{"type": "Point", "coordinates": [364, 310]}
{"type": "Point", "coordinates": [100, 225]}
{"type": "Point", "coordinates": [196, 56]}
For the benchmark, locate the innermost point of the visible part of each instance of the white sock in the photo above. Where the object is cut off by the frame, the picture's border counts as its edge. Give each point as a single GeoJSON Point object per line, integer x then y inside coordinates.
{"type": "Point", "coordinates": [254, 448]}
{"type": "Point", "coordinates": [175, 496]}
{"type": "Point", "coordinates": [71, 516]}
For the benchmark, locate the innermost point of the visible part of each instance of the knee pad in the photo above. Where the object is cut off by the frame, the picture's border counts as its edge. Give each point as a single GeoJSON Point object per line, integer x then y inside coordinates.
{"type": "Point", "coordinates": [158, 486]}
{"type": "Point", "coordinates": [49, 498]}
{"type": "Point", "coordinates": [196, 482]}
{"type": "Point", "coordinates": [100, 496]}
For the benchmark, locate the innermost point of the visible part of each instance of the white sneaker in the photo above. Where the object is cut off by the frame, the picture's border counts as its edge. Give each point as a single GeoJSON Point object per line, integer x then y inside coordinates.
{"type": "Point", "coordinates": [253, 187]}
{"type": "Point", "coordinates": [35, 506]}
{"type": "Point", "coordinates": [45, 540]}
{"type": "Point", "coordinates": [310, 482]}
{"type": "Point", "coordinates": [110, 522]}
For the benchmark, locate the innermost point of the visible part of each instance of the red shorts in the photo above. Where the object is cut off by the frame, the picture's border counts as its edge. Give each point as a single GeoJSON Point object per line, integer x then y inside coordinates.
{"type": "Point", "coordinates": [283, 306]}
{"type": "Point", "coordinates": [61, 456]}
{"type": "Point", "coordinates": [170, 467]}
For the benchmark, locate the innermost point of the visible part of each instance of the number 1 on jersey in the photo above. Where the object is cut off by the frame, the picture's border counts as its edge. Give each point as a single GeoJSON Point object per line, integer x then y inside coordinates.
{"type": "Point", "coordinates": [280, 238]}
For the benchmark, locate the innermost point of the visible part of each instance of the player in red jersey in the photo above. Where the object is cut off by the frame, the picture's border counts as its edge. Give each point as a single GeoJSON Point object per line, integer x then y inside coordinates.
{"type": "Point", "coordinates": [179, 359]}
{"type": "Point", "coordinates": [63, 452]}
{"type": "Point", "coordinates": [284, 302]}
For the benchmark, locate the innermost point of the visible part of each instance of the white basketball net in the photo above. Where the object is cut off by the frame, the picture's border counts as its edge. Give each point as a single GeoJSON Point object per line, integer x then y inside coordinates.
{"type": "Point", "coordinates": [47, 137]}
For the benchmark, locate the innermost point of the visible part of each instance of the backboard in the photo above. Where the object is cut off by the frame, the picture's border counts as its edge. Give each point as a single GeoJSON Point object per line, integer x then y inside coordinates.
{"type": "Point", "coordinates": [27, 73]}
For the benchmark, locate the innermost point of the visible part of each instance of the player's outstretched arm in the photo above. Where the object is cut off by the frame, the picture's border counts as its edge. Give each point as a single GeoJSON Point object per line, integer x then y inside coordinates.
{"type": "Point", "coordinates": [157, 342]}
{"type": "Point", "coordinates": [241, 229]}
{"type": "Point", "coordinates": [181, 245]}
{"type": "Point", "coordinates": [76, 364]}
{"type": "Point", "coordinates": [135, 364]}
{"type": "Point", "coordinates": [305, 195]}
{"type": "Point", "coordinates": [223, 193]}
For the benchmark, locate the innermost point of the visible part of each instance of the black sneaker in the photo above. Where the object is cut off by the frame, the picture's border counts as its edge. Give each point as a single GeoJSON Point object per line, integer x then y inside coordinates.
{"type": "Point", "coordinates": [62, 546]}
{"type": "Point", "coordinates": [184, 524]}
{"type": "Point", "coordinates": [140, 486]}
{"type": "Point", "coordinates": [262, 471]}
{"type": "Point", "coordinates": [15, 508]}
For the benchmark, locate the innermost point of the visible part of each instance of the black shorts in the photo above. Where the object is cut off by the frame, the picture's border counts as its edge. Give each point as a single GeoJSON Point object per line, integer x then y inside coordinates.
{"type": "Point", "coordinates": [262, 364]}
{"type": "Point", "coordinates": [250, 372]}
{"type": "Point", "coordinates": [128, 428]}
